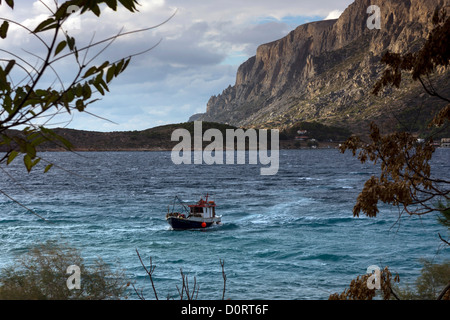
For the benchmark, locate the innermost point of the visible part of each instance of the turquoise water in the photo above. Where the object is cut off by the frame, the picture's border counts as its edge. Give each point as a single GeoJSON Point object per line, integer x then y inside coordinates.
{"type": "Point", "coordinates": [288, 236]}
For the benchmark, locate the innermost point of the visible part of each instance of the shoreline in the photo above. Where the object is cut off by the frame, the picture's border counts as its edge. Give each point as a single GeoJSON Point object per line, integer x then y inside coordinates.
{"type": "Point", "coordinates": [284, 145]}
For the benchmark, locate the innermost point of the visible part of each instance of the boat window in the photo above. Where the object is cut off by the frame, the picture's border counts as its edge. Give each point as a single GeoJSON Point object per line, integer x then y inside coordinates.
{"type": "Point", "coordinates": [196, 210]}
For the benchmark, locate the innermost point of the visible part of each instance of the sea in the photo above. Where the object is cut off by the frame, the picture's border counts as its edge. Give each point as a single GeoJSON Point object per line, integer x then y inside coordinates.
{"type": "Point", "coordinates": [287, 236]}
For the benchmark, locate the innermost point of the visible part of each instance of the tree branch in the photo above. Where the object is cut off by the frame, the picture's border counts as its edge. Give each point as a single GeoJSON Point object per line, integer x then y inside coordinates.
{"type": "Point", "coordinates": [441, 295]}
{"type": "Point", "coordinates": [149, 272]}
{"type": "Point", "coordinates": [222, 263]}
{"type": "Point", "coordinates": [445, 241]}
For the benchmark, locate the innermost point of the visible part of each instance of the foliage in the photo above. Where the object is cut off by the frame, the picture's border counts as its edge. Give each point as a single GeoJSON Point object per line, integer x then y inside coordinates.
{"type": "Point", "coordinates": [444, 218]}
{"type": "Point", "coordinates": [421, 64]}
{"type": "Point", "coordinates": [430, 285]}
{"type": "Point", "coordinates": [405, 178]}
{"type": "Point", "coordinates": [28, 104]}
{"type": "Point", "coordinates": [41, 275]}
{"type": "Point", "coordinates": [416, 119]}
{"type": "Point", "coordinates": [25, 102]}
{"type": "Point", "coordinates": [359, 290]}
{"type": "Point", "coordinates": [433, 279]}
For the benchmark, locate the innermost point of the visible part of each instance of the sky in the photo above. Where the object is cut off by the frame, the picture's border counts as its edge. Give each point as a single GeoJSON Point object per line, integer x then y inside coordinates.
{"type": "Point", "coordinates": [197, 53]}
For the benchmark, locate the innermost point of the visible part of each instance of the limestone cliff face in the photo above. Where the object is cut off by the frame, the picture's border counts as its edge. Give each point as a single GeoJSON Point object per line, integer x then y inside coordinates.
{"type": "Point", "coordinates": [324, 70]}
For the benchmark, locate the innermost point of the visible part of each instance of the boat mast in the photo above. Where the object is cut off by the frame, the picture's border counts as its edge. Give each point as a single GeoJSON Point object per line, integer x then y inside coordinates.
{"type": "Point", "coordinates": [182, 204]}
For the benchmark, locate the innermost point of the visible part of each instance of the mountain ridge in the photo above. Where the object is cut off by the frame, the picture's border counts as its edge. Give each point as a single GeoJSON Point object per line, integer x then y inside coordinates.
{"type": "Point", "coordinates": [160, 138]}
{"type": "Point", "coordinates": [324, 71]}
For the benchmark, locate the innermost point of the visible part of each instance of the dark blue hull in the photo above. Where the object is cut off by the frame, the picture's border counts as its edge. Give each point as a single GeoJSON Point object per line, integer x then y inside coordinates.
{"type": "Point", "coordinates": [183, 224]}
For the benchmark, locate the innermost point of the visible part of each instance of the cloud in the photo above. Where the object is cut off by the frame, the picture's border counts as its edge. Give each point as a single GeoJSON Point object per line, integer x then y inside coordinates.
{"type": "Point", "coordinates": [335, 14]}
{"type": "Point", "coordinates": [201, 49]}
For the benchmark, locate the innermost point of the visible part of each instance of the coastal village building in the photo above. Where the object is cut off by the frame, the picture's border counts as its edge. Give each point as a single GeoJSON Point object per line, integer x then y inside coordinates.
{"type": "Point", "coordinates": [445, 143]}
{"type": "Point", "coordinates": [302, 135]}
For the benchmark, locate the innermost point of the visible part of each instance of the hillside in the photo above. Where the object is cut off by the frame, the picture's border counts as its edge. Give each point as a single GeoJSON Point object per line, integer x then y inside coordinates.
{"type": "Point", "coordinates": [153, 139]}
{"type": "Point", "coordinates": [324, 71]}
{"type": "Point", "coordinates": [159, 138]}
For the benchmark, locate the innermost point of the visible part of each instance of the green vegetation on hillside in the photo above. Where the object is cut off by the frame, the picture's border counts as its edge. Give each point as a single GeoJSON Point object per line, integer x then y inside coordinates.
{"type": "Point", "coordinates": [315, 130]}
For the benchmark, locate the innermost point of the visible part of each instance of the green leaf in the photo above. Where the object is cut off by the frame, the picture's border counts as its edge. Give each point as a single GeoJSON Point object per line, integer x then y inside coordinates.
{"type": "Point", "coordinates": [55, 136]}
{"type": "Point", "coordinates": [31, 150]}
{"type": "Point", "coordinates": [65, 142]}
{"type": "Point", "coordinates": [41, 93]}
{"type": "Point", "coordinates": [79, 90]}
{"type": "Point", "coordinates": [48, 167]}
{"type": "Point", "coordinates": [110, 73]}
{"type": "Point", "coordinates": [36, 139]}
{"type": "Point", "coordinates": [96, 10]}
{"type": "Point", "coordinates": [10, 3]}
{"type": "Point", "coordinates": [104, 65]}
{"type": "Point", "coordinates": [103, 83]}
{"type": "Point", "coordinates": [11, 156]}
{"type": "Point", "coordinates": [99, 88]}
{"type": "Point", "coordinates": [69, 95]}
{"type": "Point", "coordinates": [60, 47]}
{"type": "Point", "coordinates": [80, 105]}
{"type": "Point", "coordinates": [3, 80]}
{"type": "Point", "coordinates": [129, 4]}
{"type": "Point", "coordinates": [119, 67]}
{"type": "Point", "coordinates": [35, 162]}
{"type": "Point", "coordinates": [7, 103]}
{"type": "Point", "coordinates": [4, 29]}
{"type": "Point", "coordinates": [126, 65]}
{"type": "Point", "coordinates": [5, 140]}
{"type": "Point", "coordinates": [70, 42]}
{"type": "Point", "coordinates": [87, 92]}
{"type": "Point", "coordinates": [112, 4]}
{"type": "Point", "coordinates": [9, 66]}
{"type": "Point", "coordinates": [46, 25]}
{"type": "Point", "coordinates": [28, 163]}
{"type": "Point", "coordinates": [63, 10]}
{"type": "Point", "coordinates": [90, 72]}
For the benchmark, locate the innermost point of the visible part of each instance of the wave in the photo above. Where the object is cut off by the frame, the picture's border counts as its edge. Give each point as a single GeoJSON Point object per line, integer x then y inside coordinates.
{"type": "Point", "coordinates": [309, 179]}
{"type": "Point", "coordinates": [267, 253]}
{"type": "Point", "coordinates": [227, 226]}
{"type": "Point", "coordinates": [328, 257]}
{"type": "Point", "coordinates": [10, 220]}
{"type": "Point", "coordinates": [292, 217]}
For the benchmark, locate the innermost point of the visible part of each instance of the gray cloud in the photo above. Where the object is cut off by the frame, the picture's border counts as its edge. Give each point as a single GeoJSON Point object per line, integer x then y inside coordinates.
{"type": "Point", "coordinates": [201, 50]}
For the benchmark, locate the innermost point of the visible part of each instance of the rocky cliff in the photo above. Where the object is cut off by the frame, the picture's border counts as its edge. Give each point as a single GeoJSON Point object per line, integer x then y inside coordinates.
{"type": "Point", "coordinates": [325, 70]}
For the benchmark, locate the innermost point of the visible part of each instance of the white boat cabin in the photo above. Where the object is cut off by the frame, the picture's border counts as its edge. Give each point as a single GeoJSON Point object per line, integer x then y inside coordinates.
{"type": "Point", "coordinates": [204, 209]}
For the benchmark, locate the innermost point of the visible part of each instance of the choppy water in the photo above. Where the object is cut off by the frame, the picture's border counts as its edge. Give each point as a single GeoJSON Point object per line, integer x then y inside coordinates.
{"type": "Point", "coordinates": [288, 236]}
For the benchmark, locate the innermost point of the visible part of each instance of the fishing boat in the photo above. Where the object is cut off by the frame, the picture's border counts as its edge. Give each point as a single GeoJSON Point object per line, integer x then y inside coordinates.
{"type": "Point", "coordinates": [200, 215]}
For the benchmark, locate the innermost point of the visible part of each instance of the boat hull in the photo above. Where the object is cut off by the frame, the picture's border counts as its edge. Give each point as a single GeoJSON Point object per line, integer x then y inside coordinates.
{"type": "Point", "coordinates": [186, 223]}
